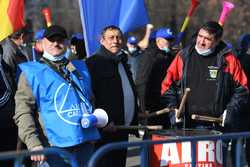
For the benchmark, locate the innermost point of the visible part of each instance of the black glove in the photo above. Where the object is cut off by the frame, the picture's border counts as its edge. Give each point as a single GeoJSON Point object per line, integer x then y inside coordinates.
{"type": "Point", "coordinates": [230, 121]}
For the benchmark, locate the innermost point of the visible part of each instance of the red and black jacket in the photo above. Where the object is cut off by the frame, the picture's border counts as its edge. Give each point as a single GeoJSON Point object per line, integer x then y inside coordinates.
{"type": "Point", "coordinates": [232, 91]}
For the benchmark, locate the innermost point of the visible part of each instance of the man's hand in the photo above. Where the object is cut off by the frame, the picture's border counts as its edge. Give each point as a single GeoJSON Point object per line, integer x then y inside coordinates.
{"type": "Point", "coordinates": [37, 157]}
{"type": "Point", "coordinates": [143, 115]}
{"type": "Point", "coordinates": [173, 119]}
{"type": "Point", "coordinates": [224, 115]}
{"type": "Point", "coordinates": [177, 120]}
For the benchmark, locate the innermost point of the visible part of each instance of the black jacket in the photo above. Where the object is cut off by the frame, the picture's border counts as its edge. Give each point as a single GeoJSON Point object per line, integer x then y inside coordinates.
{"type": "Point", "coordinates": [231, 93]}
{"type": "Point", "coordinates": [108, 94]}
{"type": "Point", "coordinates": [160, 63]}
{"type": "Point", "coordinates": [153, 85]}
{"type": "Point", "coordinates": [245, 115]}
{"type": "Point", "coordinates": [107, 85]}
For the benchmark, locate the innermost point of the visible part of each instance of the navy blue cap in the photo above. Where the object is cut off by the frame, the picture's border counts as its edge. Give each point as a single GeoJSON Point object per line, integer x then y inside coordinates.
{"type": "Point", "coordinates": [244, 41]}
{"type": "Point", "coordinates": [78, 36]}
{"type": "Point", "coordinates": [164, 33]}
{"type": "Point", "coordinates": [132, 40]}
{"type": "Point", "coordinates": [55, 30]}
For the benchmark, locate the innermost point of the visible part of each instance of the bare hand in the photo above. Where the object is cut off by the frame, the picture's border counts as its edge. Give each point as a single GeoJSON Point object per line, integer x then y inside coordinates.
{"type": "Point", "coordinates": [143, 115]}
{"type": "Point", "coordinates": [150, 26]}
{"type": "Point", "coordinates": [177, 120]}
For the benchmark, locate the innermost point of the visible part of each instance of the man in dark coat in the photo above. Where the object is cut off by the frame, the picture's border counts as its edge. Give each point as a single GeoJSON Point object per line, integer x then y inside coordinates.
{"type": "Point", "coordinates": [7, 103]}
{"type": "Point", "coordinates": [243, 51]}
{"type": "Point", "coordinates": [114, 91]}
{"type": "Point", "coordinates": [12, 53]}
{"type": "Point", "coordinates": [160, 53]}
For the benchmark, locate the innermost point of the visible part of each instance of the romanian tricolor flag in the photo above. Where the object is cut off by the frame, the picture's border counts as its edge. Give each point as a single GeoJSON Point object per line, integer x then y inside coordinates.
{"type": "Point", "coordinates": [11, 16]}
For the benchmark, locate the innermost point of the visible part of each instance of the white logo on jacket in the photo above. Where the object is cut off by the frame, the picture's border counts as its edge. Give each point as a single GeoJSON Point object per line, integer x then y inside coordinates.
{"type": "Point", "coordinates": [72, 113]}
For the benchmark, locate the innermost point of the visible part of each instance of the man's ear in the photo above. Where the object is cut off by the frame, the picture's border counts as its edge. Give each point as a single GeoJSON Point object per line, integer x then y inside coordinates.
{"type": "Point", "coordinates": [157, 40]}
{"type": "Point", "coordinates": [101, 41]}
{"type": "Point", "coordinates": [43, 43]}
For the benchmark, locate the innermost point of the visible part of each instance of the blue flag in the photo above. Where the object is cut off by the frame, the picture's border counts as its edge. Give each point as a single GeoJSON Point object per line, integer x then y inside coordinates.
{"type": "Point", "coordinates": [97, 14]}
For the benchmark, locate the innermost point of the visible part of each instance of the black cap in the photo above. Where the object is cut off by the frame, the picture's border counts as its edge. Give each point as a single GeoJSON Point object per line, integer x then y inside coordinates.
{"type": "Point", "coordinates": [55, 30]}
{"type": "Point", "coordinates": [25, 31]}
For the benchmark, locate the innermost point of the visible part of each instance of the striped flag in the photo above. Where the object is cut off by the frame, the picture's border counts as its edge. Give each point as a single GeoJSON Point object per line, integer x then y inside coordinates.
{"type": "Point", "coordinates": [12, 17]}
{"type": "Point", "coordinates": [97, 14]}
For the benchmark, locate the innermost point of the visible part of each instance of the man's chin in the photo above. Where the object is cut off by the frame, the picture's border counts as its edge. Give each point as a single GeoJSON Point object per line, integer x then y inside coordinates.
{"type": "Point", "coordinates": [114, 51]}
{"type": "Point", "coordinates": [58, 53]}
{"type": "Point", "coordinates": [201, 49]}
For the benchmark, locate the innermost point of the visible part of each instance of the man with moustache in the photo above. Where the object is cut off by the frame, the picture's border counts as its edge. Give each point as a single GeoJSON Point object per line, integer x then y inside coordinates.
{"type": "Point", "coordinates": [114, 91]}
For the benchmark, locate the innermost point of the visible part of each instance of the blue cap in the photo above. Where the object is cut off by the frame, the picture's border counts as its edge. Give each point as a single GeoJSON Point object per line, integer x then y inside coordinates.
{"type": "Point", "coordinates": [39, 34]}
{"type": "Point", "coordinates": [244, 41]}
{"type": "Point", "coordinates": [132, 40]}
{"type": "Point", "coordinates": [78, 36]}
{"type": "Point", "coordinates": [164, 33]}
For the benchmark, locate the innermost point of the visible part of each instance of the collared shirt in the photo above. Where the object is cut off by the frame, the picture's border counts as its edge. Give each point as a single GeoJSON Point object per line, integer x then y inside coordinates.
{"type": "Point", "coordinates": [129, 99]}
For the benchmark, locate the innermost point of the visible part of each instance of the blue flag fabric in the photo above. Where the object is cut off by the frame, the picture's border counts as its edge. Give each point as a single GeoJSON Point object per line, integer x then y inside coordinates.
{"type": "Point", "coordinates": [97, 14]}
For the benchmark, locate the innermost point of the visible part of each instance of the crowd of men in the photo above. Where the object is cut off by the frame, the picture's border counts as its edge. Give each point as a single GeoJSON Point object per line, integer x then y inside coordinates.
{"type": "Point", "coordinates": [51, 89]}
